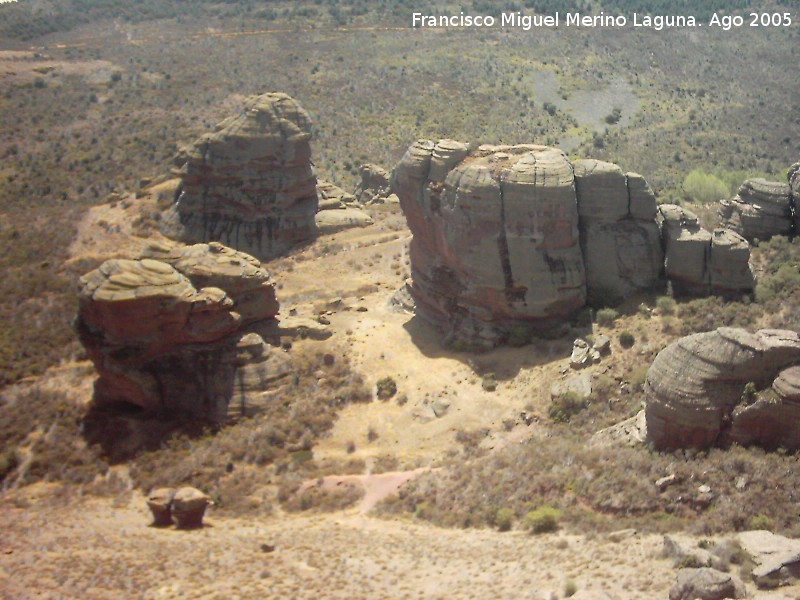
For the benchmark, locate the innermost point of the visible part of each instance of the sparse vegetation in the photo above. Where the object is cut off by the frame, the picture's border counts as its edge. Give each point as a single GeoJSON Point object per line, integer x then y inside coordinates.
{"type": "Point", "coordinates": [626, 339]}
{"type": "Point", "coordinates": [606, 317]}
{"type": "Point", "coordinates": [385, 388]}
{"type": "Point", "coordinates": [542, 519]}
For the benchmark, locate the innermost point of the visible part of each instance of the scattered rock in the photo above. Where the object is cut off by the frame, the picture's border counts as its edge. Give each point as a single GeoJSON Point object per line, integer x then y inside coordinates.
{"type": "Point", "coordinates": [332, 197]}
{"type": "Point", "coordinates": [331, 221]}
{"type": "Point", "coordinates": [440, 407]}
{"type": "Point", "coordinates": [695, 389]}
{"type": "Point", "coordinates": [664, 482]}
{"type": "Point", "coordinates": [685, 554]}
{"type": "Point", "coordinates": [374, 187]}
{"type": "Point", "coordinates": [579, 384]}
{"type": "Point", "coordinates": [631, 432]}
{"type": "Point", "coordinates": [706, 584]}
{"type": "Point", "coordinates": [160, 504]}
{"type": "Point", "coordinates": [620, 535]}
{"type": "Point", "coordinates": [188, 507]}
{"type": "Point", "coordinates": [249, 184]}
{"type": "Point", "coordinates": [602, 344]}
{"type": "Point", "coordinates": [402, 300]}
{"type": "Point", "coordinates": [777, 557]}
{"type": "Point", "coordinates": [582, 354]}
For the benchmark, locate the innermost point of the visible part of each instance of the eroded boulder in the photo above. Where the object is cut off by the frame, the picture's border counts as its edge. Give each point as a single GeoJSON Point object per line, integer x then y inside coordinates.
{"type": "Point", "coordinates": [189, 507]}
{"type": "Point", "coordinates": [180, 333]}
{"type": "Point", "coordinates": [249, 184]}
{"type": "Point", "coordinates": [706, 584]}
{"type": "Point", "coordinates": [697, 389]}
{"type": "Point", "coordinates": [160, 504]}
{"type": "Point", "coordinates": [760, 210]}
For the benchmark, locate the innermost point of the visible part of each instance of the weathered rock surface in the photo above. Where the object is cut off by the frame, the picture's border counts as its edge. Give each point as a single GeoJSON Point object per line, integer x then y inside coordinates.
{"type": "Point", "coordinates": [250, 184]}
{"type": "Point", "coordinates": [698, 262]}
{"type": "Point", "coordinates": [512, 240]}
{"type": "Point", "coordinates": [331, 221]}
{"type": "Point", "coordinates": [375, 186]}
{"type": "Point", "coordinates": [694, 389]}
{"type": "Point", "coordinates": [160, 504]}
{"type": "Point", "coordinates": [760, 210]}
{"type": "Point", "coordinates": [579, 384]}
{"type": "Point", "coordinates": [495, 239]}
{"type": "Point", "coordinates": [188, 507]}
{"type": "Point", "coordinates": [180, 333]}
{"type": "Point", "coordinates": [706, 584]}
{"type": "Point", "coordinates": [331, 196]}
{"type": "Point", "coordinates": [620, 238]}
{"type": "Point", "coordinates": [777, 558]}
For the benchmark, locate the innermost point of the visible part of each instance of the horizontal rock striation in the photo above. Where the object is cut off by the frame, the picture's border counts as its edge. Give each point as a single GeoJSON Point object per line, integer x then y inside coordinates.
{"type": "Point", "coordinates": [698, 262]}
{"type": "Point", "coordinates": [495, 238]}
{"type": "Point", "coordinates": [620, 238]}
{"type": "Point", "coordinates": [697, 391]}
{"type": "Point", "coordinates": [512, 240]}
{"type": "Point", "coordinates": [250, 184]}
{"type": "Point", "coordinates": [760, 210]}
{"type": "Point", "coordinates": [177, 330]}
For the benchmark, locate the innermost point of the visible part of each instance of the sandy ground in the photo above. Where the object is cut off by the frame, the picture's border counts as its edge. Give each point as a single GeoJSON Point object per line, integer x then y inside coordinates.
{"type": "Point", "coordinates": [53, 546]}
{"type": "Point", "coordinates": [94, 548]}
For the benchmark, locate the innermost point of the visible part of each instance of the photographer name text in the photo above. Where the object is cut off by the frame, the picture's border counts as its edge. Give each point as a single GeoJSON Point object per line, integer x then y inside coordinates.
{"type": "Point", "coordinates": [527, 22]}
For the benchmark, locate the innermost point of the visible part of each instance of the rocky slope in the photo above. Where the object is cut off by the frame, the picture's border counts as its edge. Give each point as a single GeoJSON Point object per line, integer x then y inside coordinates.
{"type": "Point", "coordinates": [250, 184]}
{"type": "Point", "coordinates": [180, 329]}
{"type": "Point", "coordinates": [725, 385]}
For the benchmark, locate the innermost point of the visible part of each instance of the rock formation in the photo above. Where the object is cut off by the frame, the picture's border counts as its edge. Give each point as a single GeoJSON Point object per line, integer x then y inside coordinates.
{"type": "Point", "coordinates": [250, 184]}
{"type": "Point", "coordinates": [794, 185]}
{"type": "Point", "coordinates": [760, 210]}
{"type": "Point", "coordinates": [375, 186]}
{"type": "Point", "coordinates": [495, 238]}
{"type": "Point", "coordinates": [620, 238]}
{"type": "Point", "coordinates": [704, 389]}
{"type": "Point", "coordinates": [511, 240]}
{"type": "Point", "coordinates": [178, 330]}
{"type": "Point", "coordinates": [188, 507]}
{"type": "Point", "coordinates": [699, 262]}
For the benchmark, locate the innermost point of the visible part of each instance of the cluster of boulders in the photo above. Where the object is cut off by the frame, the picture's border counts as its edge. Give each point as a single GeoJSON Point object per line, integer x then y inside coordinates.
{"type": "Point", "coordinates": [185, 507]}
{"type": "Point", "coordinates": [183, 329]}
{"type": "Point", "coordinates": [762, 209]}
{"type": "Point", "coordinates": [518, 237]}
{"type": "Point", "coordinates": [338, 209]}
{"type": "Point", "coordinates": [725, 386]}
{"type": "Point", "coordinates": [704, 571]}
{"type": "Point", "coordinates": [250, 184]}
{"type": "Point", "coordinates": [375, 186]}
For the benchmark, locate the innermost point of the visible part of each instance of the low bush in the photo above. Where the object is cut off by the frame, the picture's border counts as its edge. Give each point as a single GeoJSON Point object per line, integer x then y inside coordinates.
{"type": "Point", "coordinates": [385, 388]}
{"type": "Point", "coordinates": [566, 406]}
{"type": "Point", "coordinates": [626, 339]}
{"type": "Point", "coordinates": [504, 519]}
{"type": "Point", "coordinates": [606, 317]}
{"type": "Point", "coordinates": [543, 519]}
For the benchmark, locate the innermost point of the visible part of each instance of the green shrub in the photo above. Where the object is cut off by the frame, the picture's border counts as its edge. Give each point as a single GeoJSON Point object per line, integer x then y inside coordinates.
{"type": "Point", "coordinates": [542, 520]}
{"type": "Point", "coordinates": [626, 339]}
{"type": "Point", "coordinates": [566, 406]}
{"type": "Point", "coordinates": [570, 587]}
{"type": "Point", "coordinates": [762, 521]}
{"type": "Point", "coordinates": [386, 388]}
{"type": "Point", "coordinates": [606, 317]}
{"type": "Point", "coordinates": [665, 305]}
{"type": "Point", "coordinates": [703, 187]}
{"type": "Point", "coordinates": [504, 519]}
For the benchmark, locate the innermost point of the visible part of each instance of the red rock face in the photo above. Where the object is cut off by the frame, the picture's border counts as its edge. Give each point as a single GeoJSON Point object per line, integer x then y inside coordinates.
{"type": "Point", "coordinates": [175, 329]}
{"type": "Point", "coordinates": [696, 390]}
{"type": "Point", "coordinates": [250, 184]}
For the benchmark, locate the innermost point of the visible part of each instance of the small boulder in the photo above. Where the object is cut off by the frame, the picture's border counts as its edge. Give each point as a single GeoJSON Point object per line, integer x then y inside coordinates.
{"type": "Point", "coordinates": [160, 504]}
{"type": "Point", "coordinates": [188, 507]}
{"type": "Point", "coordinates": [582, 354]}
{"type": "Point", "coordinates": [706, 584]}
{"type": "Point", "coordinates": [579, 384]}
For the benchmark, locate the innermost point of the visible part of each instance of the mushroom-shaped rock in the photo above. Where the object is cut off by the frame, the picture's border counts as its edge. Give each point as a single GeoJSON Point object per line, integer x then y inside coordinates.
{"type": "Point", "coordinates": [188, 507]}
{"type": "Point", "coordinates": [695, 384]}
{"type": "Point", "coordinates": [166, 334]}
{"type": "Point", "coordinates": [249, 184]}
{"type": "Point", "coordinates": [160, 504]}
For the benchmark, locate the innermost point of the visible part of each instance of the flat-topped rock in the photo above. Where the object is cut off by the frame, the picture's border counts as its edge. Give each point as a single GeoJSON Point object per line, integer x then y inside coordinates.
{"type": "Point", "coordinates": [760, 210]}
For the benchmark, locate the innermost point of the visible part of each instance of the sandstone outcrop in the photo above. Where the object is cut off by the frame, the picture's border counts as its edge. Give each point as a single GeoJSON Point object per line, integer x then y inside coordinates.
{"type": "Point", "coordinates": [703, 389]}
{"type": "Point", "coordinates": [620, 238]}
{"type": "Point", "coordinates": [509, 241]}
{"type": "Point", "coordinates": [375, 186]}
{"type": "Point", "coordinates": [760, 210]}
{"type": "Point", "coordinates": [177, 330]}
{"type": "Point", "coordinates": [159, 502]}
{"type": "Point", "coordinates": [250, 184]}
{"type": "Point", "coordinates": [699, 262]}
{"type": "Point", "coordinates": [794, 185]}
{"type": "Point", "coordinates": [332, 197]}
{"type": "Point", "coordinates": [706, 584]}
{"type": "Point", "coordinates": [495, 238]}
{"type": "Point", "coordinates": [188, 507]}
